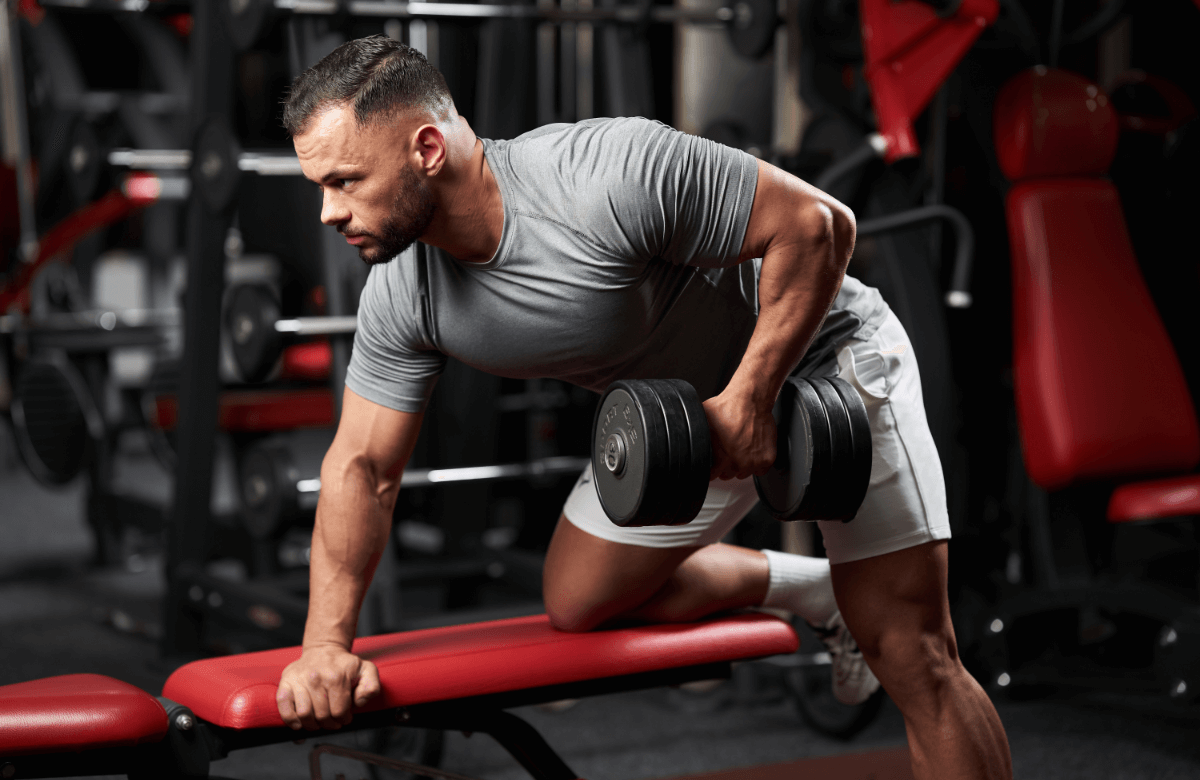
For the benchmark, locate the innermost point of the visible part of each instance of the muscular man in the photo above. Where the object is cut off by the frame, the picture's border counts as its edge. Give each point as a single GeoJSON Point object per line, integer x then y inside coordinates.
{"type": "Point", "coordinates": [620, 248]}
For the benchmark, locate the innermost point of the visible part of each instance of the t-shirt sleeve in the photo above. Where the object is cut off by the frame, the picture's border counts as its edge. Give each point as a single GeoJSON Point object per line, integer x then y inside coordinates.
{"type": "Point", "coordinates": [680, 197]}
{"type": "Point", "coordinates": [393, 363]}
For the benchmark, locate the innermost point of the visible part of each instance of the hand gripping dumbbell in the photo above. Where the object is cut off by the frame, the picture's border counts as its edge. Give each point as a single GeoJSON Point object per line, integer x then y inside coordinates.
{"type": "Point", "coordinates": [652, 452]}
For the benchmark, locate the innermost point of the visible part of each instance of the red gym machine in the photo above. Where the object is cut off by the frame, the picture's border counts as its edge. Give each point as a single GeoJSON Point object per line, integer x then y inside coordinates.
{"type": "Point", "coordinates": [1100, 396]}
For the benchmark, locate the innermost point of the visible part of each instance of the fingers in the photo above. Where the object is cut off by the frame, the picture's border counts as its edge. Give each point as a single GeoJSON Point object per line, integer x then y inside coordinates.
{"type": "Point", "coordinates": [304, 708]}
{"type": "Point", "coordinates": [315, 695]}
{"type": "Point", "coordinates": [368, 686]}
{"type": "Point", "coordinates": [287, 706]}
{"type": "Point", "coordinates": [338, 706]}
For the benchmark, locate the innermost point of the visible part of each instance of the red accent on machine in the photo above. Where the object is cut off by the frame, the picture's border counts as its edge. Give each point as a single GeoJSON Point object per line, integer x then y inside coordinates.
{"type": "Point", "coordinates": [106, 211]}
{"type": "Point", "coordinates": [310, 360]}
{"type": "Point", "coordinates": [910, 51]}
{"type": "Point", "coordinates": [1099, 390]}
{"type": "Point", "coordinates": [259, 410]}
{"type": "Point", "coordinates": [1153, 500]}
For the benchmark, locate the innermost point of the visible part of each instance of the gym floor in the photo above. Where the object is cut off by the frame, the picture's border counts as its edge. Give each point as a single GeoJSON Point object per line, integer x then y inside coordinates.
{"type": "Point", "coordinates": [60, 616]}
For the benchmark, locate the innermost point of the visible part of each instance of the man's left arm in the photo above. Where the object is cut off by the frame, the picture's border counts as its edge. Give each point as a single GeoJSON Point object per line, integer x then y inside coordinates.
{"type": "Point", "coordinates": [805, 239]}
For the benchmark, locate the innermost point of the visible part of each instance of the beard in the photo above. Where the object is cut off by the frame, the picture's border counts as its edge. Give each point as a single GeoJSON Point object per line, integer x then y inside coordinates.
{"type": "Point", "coordinates": [412, 211]}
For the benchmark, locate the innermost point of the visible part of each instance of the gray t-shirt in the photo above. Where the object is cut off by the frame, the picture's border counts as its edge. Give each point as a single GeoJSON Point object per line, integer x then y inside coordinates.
{"type": "Point", "coordinates": [618, 260]}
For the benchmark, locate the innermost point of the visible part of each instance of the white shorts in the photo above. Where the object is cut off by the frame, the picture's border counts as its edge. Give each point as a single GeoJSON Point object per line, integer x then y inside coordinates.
{"type": "Point", "coordinates": [906, 501]}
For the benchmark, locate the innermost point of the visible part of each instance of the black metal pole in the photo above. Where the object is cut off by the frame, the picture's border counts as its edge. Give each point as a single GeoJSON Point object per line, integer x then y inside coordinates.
{"type": "Point", "coordinates": [188, 529]}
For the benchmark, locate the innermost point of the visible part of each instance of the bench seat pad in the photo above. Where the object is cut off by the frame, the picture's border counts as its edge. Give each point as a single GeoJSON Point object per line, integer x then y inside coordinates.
{"type": "Point", "coordinates": [76, 712]}
{"type": "Point", "coordinates": [454, 662]}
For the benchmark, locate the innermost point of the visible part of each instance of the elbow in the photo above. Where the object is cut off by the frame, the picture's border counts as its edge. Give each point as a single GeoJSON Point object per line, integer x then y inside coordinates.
{"type": "Point", "coordinates": [345, 478]}
{"type": "Point", "coordinates": [829, 229]}
{"type": "Point", "coordinates": [845, 233]}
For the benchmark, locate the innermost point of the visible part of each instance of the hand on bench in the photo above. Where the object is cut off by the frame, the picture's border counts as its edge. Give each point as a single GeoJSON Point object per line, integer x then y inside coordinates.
{"type": "Point", "coordinates": [315, 690]}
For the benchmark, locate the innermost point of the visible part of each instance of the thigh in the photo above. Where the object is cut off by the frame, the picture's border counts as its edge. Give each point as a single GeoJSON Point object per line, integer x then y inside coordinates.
{"type": "Point", "coordinates": [588, 580]}
{"type": "Point", "coordinates": [596, 570]}
{"type": "Point", "coordinates": [905, 504]}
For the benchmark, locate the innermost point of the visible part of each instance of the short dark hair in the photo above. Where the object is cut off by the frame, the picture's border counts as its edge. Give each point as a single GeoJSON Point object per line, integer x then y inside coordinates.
{"type": "Point", "coordinates": [378, 76]}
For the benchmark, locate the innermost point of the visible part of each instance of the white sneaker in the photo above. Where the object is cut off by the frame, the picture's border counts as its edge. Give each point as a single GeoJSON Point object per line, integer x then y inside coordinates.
{"type": "Point", "coordinates": [853, 680]}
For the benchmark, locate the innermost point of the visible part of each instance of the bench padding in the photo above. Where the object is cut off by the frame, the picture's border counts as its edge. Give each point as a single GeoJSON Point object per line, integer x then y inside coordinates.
{"type": "Point", "coordinates": [455, 662]}
{"type": "Point", "coordinates": [77, 712]}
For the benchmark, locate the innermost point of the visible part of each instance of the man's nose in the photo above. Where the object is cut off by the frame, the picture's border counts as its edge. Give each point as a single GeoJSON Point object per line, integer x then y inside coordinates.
{"type": "Point", "coordinates": [333, 212]}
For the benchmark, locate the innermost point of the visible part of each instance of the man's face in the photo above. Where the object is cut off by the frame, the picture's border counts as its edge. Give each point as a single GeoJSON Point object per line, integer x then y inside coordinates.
{"type": "Point", "coordinates": [371, 193]}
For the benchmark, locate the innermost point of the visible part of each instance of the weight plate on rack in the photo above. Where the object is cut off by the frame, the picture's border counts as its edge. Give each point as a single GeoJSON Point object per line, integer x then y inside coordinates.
{"type": "Point", "coordinates": [55, 420]}
{"type": "Point", "coordinates": [250, 320]}
{"type": "Point", "coordinates": [860, 426]}
{"type": "Point", "coordinates": [82, 164]}
{"type": "Point", "coordinates": [752, 28]}
{"type": "Point", "coordinates": [215, 171]}
{"type": "Point", "coordinates": [838, 497]}
{"type": "Point", "coordinates": [268, 480]}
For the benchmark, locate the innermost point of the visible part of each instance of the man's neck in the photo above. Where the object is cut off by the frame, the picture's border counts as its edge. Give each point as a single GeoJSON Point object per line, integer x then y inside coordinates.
{"type": "Point", "coordinates": [470, 215]}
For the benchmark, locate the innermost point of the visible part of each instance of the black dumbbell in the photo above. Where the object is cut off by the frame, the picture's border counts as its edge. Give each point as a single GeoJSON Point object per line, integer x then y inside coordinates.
{"type": "Point", "coordinates": [652, 452]}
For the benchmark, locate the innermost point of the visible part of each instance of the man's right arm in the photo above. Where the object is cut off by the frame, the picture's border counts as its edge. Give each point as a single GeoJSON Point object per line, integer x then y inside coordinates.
{"type": "Point", "coordinates": [360, 478]}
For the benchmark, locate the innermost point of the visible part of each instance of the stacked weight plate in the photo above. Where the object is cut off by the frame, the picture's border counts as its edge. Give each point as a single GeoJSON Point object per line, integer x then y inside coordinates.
{"type": "Point", "coordinates": [651, 453]}
{"type": "Point", "coordinates": [823, 466]}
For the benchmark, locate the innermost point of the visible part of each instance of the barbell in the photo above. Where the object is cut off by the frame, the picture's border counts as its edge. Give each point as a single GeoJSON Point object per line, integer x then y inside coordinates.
{"type": "Point", "coordinates": [280, 483]}
{"type": "Point", "coordinates": [258, 334]}
{"type": "Point", "coordinates": [652, 452]}
{"type": "Point", "coordinates": [750, 24]}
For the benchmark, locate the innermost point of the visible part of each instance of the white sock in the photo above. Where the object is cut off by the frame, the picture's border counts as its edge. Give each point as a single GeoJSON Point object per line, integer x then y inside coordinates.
{"type": "Point", "coordinates": [801, 585]}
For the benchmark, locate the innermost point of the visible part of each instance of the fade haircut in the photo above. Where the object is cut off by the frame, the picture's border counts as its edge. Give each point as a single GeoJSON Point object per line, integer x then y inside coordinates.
{"type": "Point", "coordinates": [377, 76]}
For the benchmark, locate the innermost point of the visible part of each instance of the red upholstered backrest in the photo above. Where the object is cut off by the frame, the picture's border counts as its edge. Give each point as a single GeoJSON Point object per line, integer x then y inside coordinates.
{"type": "Point", "coordinates": [1099, 390]}
{"type": "Point", "coordinates": [1053, 123]}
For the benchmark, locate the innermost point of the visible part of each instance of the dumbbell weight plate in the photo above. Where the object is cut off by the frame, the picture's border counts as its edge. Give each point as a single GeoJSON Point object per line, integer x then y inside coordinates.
{"type": "Point", "coordinates": [651, 454]}
{"type": "Point", "coordinates": [839, 501]}
{"type": "Point", "coordinates": [250, 320]}
{"type": "Point", "coordinates": [619, 453]}
{"type": "Point", "coordinates": [787, 483]}
{"type": "Point", "coordinates": [858, 477]}
{"type": "Point", "coordinates": [690, 451]}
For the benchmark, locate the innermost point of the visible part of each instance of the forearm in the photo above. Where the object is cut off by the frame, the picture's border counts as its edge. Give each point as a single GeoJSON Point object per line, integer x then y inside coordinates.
{"type": "Point", "coordinates": [354, 518]}
{"type": "Point", "coordinates": [797, 285]}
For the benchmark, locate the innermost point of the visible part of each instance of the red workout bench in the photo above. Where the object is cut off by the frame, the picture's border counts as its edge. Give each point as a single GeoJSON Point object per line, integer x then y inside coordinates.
{"type": "Point", "coordinates": [456, 678]}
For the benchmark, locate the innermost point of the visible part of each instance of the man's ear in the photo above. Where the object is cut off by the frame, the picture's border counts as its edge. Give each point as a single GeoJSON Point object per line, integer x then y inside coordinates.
{"type": "Point", "coordinates": [431, 146]}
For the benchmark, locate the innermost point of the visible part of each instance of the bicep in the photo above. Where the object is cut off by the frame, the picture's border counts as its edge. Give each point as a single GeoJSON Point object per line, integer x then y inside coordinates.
{"type": "Point", "coordinates": [789, 211]}
{"type": "Point", "coordinates": [373, 437]}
